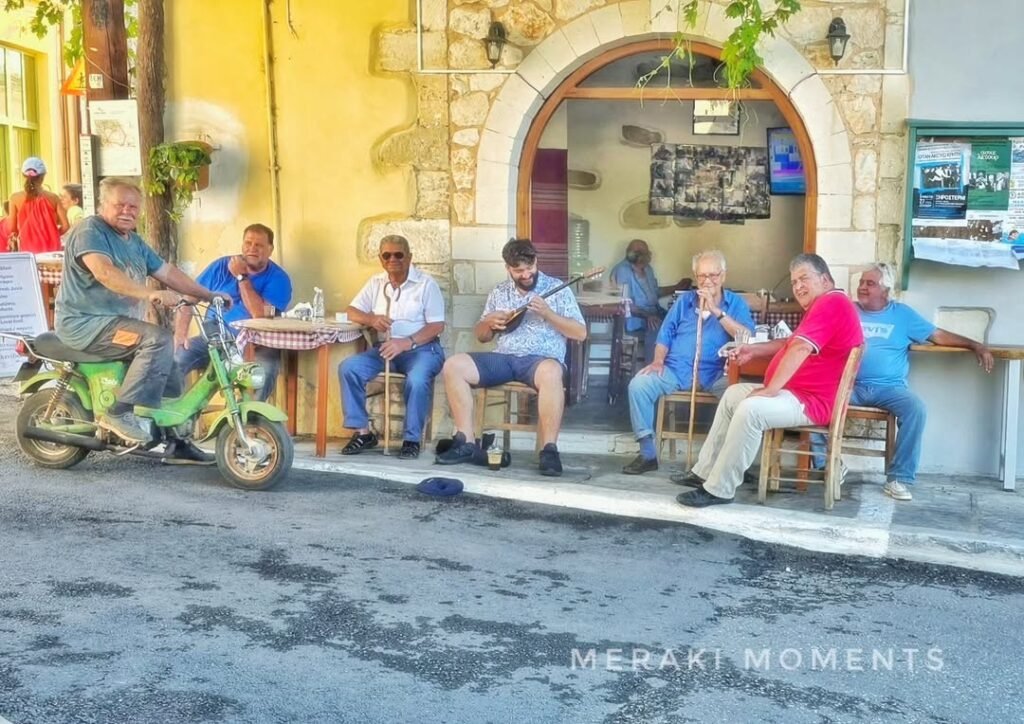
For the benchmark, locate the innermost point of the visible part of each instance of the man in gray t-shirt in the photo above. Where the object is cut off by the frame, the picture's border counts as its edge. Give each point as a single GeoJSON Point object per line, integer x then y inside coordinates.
{"type": "Point", "coordinates": [102, 298]}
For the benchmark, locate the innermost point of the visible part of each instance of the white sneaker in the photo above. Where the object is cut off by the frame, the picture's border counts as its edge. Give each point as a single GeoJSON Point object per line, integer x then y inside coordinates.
{"type": "Point", "coordinates": [897, 491]}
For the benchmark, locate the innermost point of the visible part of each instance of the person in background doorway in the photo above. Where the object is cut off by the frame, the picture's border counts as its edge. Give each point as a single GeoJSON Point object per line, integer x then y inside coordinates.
{"type": "Point", "coordinates": [636, 274]}
{"type": "Point", "coordinates": [71, 200]}
{"type": "Point", "coordinates": [37, 217]}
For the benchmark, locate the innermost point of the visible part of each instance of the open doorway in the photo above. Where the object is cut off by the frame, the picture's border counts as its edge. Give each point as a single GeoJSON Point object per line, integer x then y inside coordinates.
{"type": "Point", "coordinates": [589, 171]}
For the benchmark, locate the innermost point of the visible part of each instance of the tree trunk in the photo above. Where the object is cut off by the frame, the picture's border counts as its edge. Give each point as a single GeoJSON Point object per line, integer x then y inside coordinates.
{"type": "Point", "coordinates": [151, 70]}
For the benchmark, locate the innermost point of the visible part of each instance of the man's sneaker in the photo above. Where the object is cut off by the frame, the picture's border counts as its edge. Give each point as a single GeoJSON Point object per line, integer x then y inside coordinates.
{"type": "Point", "coordinates": [410, 450]}
{"type": "Point", "coordinates": [550, 463]}
{"type": "Point", "coordinates": [360, 443]}
{"type": "Point", "coordinates": [460, 451]}
{"type": "Point", "coordinates": [689, 478]}
{"type": "Point", "coordinates": [897, 491]}
{"type": "Point", "coordinates": [640, 465]}
{"type": "Point", "coordinates": [185, 452]}
{"type": "Point", "coordinates": [125, 426]}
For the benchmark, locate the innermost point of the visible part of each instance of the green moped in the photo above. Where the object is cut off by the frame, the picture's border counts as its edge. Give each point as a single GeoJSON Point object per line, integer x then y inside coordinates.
{"type": "Point", "coordinates": [66, 391]}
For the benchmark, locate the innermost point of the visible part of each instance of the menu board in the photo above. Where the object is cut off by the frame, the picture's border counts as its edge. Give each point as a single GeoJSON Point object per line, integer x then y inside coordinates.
{"type": "Point", "coordinates": [21, 306]}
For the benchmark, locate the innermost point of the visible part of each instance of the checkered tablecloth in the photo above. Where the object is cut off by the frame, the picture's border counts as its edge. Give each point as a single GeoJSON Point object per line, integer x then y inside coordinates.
{"type": "Point", "coordinates": [50, 273]}
{"type": "Point", "coordinates": [281, 333]}
{"type": "Point", "coordinates": [792, 319]}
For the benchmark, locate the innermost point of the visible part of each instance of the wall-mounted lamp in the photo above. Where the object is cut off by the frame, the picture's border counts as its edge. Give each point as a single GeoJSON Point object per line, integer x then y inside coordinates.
{"type": "Point", "coordinates": [494, 42]}
{"type": "Point", "coordinates": [837, 38]}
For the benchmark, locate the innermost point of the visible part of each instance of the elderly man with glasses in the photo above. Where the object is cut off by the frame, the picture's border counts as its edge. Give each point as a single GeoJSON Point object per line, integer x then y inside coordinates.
{"type": "Point", "coordinates": [723, 314]}
{"type": "Point", "coordinates": [405, 306]}
{"type": "Point", "coordinates": [889, 329]}
{"type": "Point", "coordinates": [799, 386]}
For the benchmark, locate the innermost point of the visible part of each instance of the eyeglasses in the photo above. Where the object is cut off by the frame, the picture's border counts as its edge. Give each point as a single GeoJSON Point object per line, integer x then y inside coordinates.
{"type": "Point", "coordinates": [709, 277]}
{"type": "Point", "coordinates": [387, 255]}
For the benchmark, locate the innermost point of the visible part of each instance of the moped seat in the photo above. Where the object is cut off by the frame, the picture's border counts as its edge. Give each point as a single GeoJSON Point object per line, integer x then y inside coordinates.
{"type": "Point", "coordinates": [48, 345]}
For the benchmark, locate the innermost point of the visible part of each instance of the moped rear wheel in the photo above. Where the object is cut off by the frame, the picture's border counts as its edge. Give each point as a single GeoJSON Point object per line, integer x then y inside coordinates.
{"type": "Point", "coordinates": [240, 468]}
{"type": "Point", "coordinates": [50, 454]}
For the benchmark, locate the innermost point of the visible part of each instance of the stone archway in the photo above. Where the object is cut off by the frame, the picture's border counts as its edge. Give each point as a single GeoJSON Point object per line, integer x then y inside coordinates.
{"type": "Point", "coordinates": [522, 98]}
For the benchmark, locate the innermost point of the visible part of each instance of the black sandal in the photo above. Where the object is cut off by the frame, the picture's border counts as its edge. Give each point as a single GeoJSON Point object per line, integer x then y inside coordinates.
{"type": "Point", "coordinates": [360, 443]}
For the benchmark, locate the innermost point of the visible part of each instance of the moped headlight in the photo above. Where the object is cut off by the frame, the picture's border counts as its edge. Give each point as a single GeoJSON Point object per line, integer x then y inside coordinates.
{"type": "Point", "coordinates": [258, 376]}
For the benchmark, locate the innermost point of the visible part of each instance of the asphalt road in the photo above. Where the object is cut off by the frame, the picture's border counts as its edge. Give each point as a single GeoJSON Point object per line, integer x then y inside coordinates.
{"type": "Point", "coordinates": [131, 592]}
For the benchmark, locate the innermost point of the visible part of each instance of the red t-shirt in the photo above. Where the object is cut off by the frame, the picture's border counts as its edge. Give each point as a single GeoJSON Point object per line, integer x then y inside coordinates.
{"type": "Point", "coordinates": [832, 327]}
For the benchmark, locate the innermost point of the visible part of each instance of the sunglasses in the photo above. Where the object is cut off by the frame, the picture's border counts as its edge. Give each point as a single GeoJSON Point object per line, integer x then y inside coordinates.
{"type": "Point", "coordinates": [387, 255]}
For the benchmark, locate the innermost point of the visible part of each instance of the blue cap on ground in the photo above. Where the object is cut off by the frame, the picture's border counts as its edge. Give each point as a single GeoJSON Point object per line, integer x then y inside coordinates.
{"type": "Point", "coordinates": [440, 486]}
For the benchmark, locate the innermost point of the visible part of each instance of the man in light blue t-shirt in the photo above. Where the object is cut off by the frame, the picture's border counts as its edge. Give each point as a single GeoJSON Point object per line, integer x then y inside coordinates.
{"type": "Point", "coordinates": [889, 330]}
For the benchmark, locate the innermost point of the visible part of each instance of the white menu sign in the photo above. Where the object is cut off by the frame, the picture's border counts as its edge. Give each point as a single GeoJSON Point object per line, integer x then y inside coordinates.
{"type": "Point", "coordinates": [21, 306]}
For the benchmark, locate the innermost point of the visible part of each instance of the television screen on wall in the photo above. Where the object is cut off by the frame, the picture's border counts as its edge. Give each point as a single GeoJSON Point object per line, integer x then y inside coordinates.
{"type": "Point", "coordinates": [785, 168]}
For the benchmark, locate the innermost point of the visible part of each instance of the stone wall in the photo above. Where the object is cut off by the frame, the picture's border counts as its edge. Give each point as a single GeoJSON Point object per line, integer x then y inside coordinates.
{"type": "Point", "coordinates": [465, 147]}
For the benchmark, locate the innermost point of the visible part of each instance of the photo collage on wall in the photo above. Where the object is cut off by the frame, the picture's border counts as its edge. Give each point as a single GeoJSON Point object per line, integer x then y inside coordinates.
{"type": "Point", "coordinates": [968, 201]}
{"type": "Point", "coordinates": [716, 183]}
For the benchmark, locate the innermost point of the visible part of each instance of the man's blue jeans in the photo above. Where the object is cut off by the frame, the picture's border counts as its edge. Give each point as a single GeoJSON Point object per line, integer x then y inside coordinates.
{"type": "Point", "coordinates": [910, 418]}
{"type": "Point", "coordinates": [420, 366]}
{"type": "Point", "coordinates": [644, 392]}
{"type": "Point", "coordinates": [197, 356]}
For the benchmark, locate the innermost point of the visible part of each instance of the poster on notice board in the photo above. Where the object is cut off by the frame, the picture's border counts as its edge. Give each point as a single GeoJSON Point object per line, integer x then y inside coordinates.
{"type": "Point", "coordinates": [968, 201]}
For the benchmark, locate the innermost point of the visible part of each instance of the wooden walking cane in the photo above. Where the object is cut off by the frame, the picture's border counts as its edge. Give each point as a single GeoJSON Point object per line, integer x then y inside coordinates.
{"type": "Point", "coordinates": [693, 385]}
{"type": "Point", "coordinates": [387, 291]}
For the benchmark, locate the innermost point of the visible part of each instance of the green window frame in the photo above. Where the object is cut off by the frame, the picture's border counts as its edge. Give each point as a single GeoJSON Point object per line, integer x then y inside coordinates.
{"type": "Point", "coordinates": [19, 115]}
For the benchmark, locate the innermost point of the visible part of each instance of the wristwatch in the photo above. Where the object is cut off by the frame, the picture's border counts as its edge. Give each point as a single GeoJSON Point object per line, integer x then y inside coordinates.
{"type": "Point", "coordinates": [241, 277]}
{"type": "Point", "coordinates": [721, 315]}
{"type": "Point", "coordinates": [412, 343]}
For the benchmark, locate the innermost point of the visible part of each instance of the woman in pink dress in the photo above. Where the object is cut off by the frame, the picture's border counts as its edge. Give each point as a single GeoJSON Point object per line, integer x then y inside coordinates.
{"type": "Point", "coordinates": [36, 216]}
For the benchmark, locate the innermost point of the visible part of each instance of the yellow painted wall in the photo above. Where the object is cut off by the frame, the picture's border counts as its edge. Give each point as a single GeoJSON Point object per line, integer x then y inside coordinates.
{"type": "Point", "coordinates": [331, 111]}
{"type": "Point", "coordinates": [14, 33]}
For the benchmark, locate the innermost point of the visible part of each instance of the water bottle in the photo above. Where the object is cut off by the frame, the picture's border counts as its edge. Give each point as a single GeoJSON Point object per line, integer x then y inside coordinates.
{"type": "Point", "coordinates": [318, 305]}
{"type": "Point", "coordinates": [626, 302]}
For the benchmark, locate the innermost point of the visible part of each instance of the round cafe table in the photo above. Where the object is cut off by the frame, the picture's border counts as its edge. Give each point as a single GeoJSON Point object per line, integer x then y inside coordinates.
{"type": "Point", "coordinates": [292, 336]}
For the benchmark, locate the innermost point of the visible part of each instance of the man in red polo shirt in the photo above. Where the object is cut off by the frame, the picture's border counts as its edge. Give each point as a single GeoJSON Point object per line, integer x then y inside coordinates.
{"type": "Point", "coordinates": [800, 385]}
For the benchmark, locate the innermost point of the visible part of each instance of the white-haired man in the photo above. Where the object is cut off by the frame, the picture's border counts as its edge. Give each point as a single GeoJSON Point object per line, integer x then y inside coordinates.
{"type": "Point", "coordinates": [889, 329]}
{"type": "Point", "coordinates": [724, 314]}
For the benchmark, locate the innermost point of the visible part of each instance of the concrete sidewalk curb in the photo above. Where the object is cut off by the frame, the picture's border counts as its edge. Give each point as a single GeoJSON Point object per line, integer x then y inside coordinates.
{"type": "Point", "coordinates": [808, 531]}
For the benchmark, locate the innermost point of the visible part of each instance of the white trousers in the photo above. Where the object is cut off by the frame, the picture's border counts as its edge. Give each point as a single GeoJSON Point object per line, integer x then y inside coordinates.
{"type": "Point", "coordinates": [736, 433]}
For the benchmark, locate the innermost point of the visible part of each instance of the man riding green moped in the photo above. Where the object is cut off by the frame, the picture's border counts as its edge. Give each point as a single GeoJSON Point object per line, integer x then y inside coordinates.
{"type": "Point", "coordinates": [102, 298]}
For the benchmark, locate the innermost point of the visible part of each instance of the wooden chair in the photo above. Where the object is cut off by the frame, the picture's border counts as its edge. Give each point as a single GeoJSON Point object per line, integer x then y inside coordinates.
{"type": "Point", "coordinates": [771, 455]}
{"type": "Point", "coordinates": [518, 411]}
{"type": "Point", "coordinates": [871, 414]}
{"type": "Point", "coordinates": [375, 392]}
{"type": "Point", "coordinates": [673, 433]}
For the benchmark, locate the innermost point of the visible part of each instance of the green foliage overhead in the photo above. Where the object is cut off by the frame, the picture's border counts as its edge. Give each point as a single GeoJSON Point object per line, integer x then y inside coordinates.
{"type": "Point", "coordinates": [175, 167]}
{"type": "Point", "coordinates": [739, 53]}
{"type": "Point", "coordinates": [49, 14]}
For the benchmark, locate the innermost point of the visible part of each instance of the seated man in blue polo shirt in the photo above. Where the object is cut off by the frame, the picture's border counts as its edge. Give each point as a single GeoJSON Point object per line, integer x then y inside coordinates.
{"type": "Point", "coordinates": [636, 275]}
{"type": "Point", "coordinates": [253, 281]}
{"type": "Point", "coordinates": [725, 313]}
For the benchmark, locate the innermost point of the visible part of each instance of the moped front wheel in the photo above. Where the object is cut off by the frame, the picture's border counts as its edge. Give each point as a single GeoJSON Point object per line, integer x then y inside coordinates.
{"type": "Point", "coordinates": [50, 454]}
{"type": "Point", "coordinates": [259, 468]}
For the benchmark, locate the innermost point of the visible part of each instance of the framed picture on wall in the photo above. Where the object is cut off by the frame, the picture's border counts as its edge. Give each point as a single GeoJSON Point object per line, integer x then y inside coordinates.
{"type": "Point", "coordinates": [716, 118]}
{"type": "Point", "coordinates": [785, 168]}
